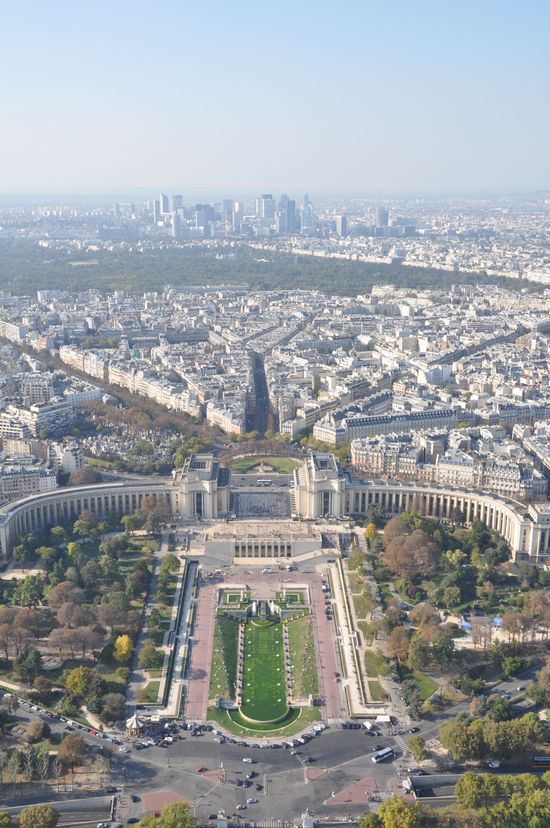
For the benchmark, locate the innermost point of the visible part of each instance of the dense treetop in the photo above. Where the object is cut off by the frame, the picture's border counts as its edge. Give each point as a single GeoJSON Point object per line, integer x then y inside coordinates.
{"type": "Point", "coordinates": [25, 267]}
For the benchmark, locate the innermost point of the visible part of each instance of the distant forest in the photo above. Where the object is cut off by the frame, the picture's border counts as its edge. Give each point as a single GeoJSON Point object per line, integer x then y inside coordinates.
{"type": "Point", "coordinates": [25, 267]}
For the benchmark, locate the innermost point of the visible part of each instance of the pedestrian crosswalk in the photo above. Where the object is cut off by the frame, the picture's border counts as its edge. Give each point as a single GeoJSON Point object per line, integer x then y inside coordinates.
{"type": "Point", "coordinates": [401, 743]}
{"type": "Point", "coordinates": [122, 808]}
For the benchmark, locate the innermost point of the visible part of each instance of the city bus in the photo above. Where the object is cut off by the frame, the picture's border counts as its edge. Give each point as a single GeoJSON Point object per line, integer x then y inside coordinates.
{"type": "Point", "coordinates": [541, 761]}
{"type": "Point", "coordinates": [263, 481]}
{"type": "Point", "coordinates": [381, 755]}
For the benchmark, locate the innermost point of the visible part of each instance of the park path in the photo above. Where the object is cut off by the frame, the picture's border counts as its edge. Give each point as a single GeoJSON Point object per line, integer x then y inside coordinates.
{"type": "Point", "coordinates": [138, 676]}
{"type": "Point", "coordinates": [397, 704]}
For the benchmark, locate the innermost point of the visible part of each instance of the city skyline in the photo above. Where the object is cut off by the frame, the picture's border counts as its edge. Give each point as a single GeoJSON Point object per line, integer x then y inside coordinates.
{"type": "Point", "coordinates": [423, 99]}
{"type": "Point", "coordinates": [275, 414]}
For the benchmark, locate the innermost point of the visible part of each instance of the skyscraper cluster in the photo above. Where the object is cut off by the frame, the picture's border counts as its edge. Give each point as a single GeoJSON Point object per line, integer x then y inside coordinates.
{"type": "Point", "coordinates": [266, 217]}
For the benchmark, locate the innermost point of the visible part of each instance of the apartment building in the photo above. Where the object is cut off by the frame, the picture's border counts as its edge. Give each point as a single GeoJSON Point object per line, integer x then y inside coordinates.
{"type": "Point", "coordinates": [18, 478]}
{"type": "Point", "coordinates": [36, 388]}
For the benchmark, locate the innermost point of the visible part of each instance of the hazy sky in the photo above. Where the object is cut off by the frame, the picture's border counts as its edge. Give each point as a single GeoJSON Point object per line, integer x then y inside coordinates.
{"type": "Point", "coordinates": [233, 95]}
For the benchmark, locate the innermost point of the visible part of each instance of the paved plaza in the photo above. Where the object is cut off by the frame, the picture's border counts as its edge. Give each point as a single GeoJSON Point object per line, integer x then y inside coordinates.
{"type": "Point", "coordinates": [263, 585]}
{"type": "Point", "coordinates": [262, 504]}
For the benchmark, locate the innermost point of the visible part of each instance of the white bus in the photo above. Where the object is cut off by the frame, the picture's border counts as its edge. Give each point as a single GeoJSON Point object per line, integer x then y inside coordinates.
{"type": "Point", "coordinates": [381, 755]}
{"type": "Point", "coordinates": [263, 481]}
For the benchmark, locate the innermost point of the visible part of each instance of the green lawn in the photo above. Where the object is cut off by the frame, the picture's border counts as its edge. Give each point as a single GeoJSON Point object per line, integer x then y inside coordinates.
{"type": "Point", "coordinates": [376, 664]}
{"type": "Point", "coordinates": [265, 727]}
{"type": "Point", "coordinates": [158, 635]}
{"type": "Point", "coordinates": [366, 630]}
{"type": "Point", "coordinates": [362, 604]}
{"type": "Point", "coordinates": [112, 682]}
{"type": "Point", "coordinates": [385, 595]}
{"type": "Point", "coordinates": [223, 668]}
{"type": "Point", "coordinates": [264, 687]}
{"type": "Point", "coordinates": [290, 598]}
{"type": "Point", "coordinates": [294, 597]}
{"type": "Point", "coordinates": [356, 582]}
{"type": "Point", "coordinates": [302, 653]}
{"type": "Point", "coordinates": [98, 462]}
{"type": "Point", "coordinates": [376, 692]}
{"type": "Point", "coordinates": [90, 549]}
{"type": "Point", "coordinates": [284, 465]}
{"type": "Point", "coordinates": [152, 690]}
{"type": "Point", "coordinates": [297, 720]}
{"type": "Point", "coordinates": [426, 685]}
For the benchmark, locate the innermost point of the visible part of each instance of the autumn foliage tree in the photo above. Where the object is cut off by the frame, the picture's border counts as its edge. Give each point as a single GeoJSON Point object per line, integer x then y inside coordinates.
{"type": "Point", "coordinates": [174, 815]}
{"type": "Point", "coordinates": [123, 648]}
{"type": "Point", "coordinates": [398, 644]}
{"type": "Point", "coordinates": [394, 528]}
{"type": "Point", "coordinates": [370, 532]}
{"type": "Point", "coordinates": [483, 738]}
{"type": "Point", "coordinates": [38, 816]}
{"type": "Point", "coordinates": [410, 556]}
{"type": "Point", "coordinates": [72, 750]}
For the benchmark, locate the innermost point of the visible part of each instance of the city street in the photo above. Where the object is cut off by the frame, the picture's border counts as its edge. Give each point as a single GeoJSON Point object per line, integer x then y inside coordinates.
{"type": "Point", "coordinates": [340, 759]}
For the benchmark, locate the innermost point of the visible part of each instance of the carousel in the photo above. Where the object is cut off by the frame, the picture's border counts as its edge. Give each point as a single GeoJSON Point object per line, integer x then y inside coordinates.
{"type": "Point", "coordinates": [134, 726]}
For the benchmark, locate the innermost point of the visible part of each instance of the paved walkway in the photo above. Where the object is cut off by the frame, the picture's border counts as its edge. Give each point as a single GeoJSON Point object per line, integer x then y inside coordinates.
{"type": "Point", "coordinates": [156, 800]}
{"type": "Point", "coordinates": [311, 774]}
{"type": "Point", "coordinates": [123, 807]}
{"type": "Point", "coordinates": [181, 643]}
{"type": "Point", "coordinates": [348, 647]}
{"type": "Point", "coordinates": [327, 663]}
{"type": "Point", "coordinates": [359, 793]}
{"type": "Point", "coordinates": [196, 704]}
{"type": "Point", "coordinates": [17, 687]}
{"type": "Point", "coordinates": [94, 720]}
